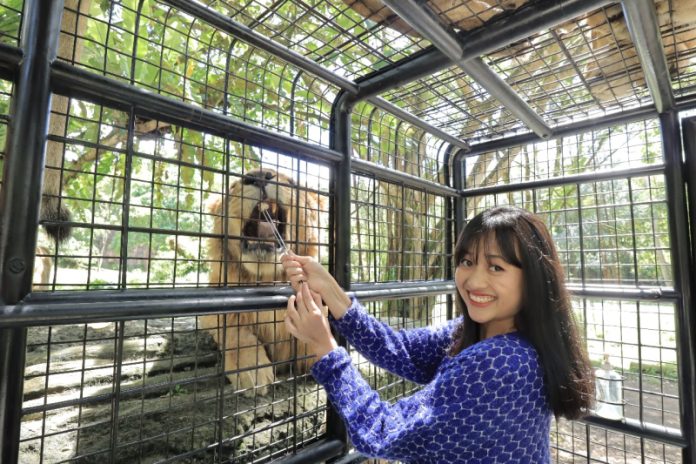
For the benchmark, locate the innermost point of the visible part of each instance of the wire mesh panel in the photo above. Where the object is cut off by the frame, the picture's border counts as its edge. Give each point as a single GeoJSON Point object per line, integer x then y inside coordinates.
{"type": "Point", "coordinates": [640, 338]}
{"type": "Point", "coordinates": [583, 68]}
{"type": "Point", "coordinates": [160, 48]}
{"type": "Point", "coordinates": [151, 391]}
{"type": "Point", "coordinates": [382, 138]}
{"type": "Point", "coordinates": [154, 205]}
{"type": "Point", "coordinates": [575, 439]}
{"type": "Point", "coordinates": [628, 146]}
{"type": "Point", "coordinates": [611, 233]}
{"type": "Point", "coordinates": [399, 233]}
{"type": "Point", "coordinates": [333, 34]}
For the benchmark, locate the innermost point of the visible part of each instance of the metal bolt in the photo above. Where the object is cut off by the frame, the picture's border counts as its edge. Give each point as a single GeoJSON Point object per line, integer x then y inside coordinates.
{"type": "Point", "coordinates": [16, 265]}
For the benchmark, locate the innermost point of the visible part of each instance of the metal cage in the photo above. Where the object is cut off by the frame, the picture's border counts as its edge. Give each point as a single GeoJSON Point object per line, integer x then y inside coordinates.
{"type": "Point", "coordinates": [143, 139]}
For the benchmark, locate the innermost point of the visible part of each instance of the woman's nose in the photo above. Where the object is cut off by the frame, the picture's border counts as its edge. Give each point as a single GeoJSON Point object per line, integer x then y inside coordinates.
{"type": "Point", "coordinates": [476, 277]}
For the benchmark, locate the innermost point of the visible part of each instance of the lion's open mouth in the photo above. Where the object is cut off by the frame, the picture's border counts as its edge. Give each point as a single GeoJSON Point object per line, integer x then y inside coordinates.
{"type": "Point", "coordinates": [258, 233]}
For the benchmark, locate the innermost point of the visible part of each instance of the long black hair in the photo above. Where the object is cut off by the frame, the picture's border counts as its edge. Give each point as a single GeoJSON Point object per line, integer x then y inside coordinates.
{"type": "Point", "coordinates": [546, 317]}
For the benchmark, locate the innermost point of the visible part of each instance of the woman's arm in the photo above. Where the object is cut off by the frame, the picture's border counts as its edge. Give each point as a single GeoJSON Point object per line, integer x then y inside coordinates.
{"type": "Point", "coordinates": [414, 354]}
{"type": "Point", "coordinates": [475, 403]}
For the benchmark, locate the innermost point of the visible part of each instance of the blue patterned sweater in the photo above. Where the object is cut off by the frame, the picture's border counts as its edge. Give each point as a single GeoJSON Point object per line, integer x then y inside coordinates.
{"type": "Point", "coordinates": [487, 404]}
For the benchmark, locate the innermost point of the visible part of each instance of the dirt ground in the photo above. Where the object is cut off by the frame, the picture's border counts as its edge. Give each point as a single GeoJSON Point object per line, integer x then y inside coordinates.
{"type": "Point", "coordinates": [171, 399]}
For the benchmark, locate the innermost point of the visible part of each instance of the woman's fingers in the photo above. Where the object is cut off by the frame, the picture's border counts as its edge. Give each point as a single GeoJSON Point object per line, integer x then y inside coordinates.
{"type": "Point", "coordinates": [291, 311]}
{"type": "Point", "coordinates": [290, 325]}
{"type": "Point", "coordinates": [297, 277]}
{"type": "Point", "coordinates": [293, 271]}
{"type": "Point", "coordinates": [316, 297]}
{"type": "Point", "coordinates": [307, 297]}
{"type": "Point", "coordinates": [301, 302]}
{"type": "Point", "coordinates": [302, 259]}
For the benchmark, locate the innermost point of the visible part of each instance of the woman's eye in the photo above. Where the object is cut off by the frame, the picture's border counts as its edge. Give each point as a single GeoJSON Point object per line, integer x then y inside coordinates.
{"type": "Point", "coordinates": [495, 268]}
{"type": "Point", "coordinates": [466, 263]}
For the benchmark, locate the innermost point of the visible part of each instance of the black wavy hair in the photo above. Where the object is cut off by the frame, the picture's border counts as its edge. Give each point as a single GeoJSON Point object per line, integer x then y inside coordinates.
{"type": "Point", "coordinates": [546, 317]}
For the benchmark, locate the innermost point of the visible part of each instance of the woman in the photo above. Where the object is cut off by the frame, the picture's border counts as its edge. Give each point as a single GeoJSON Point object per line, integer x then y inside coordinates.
{"type": "Point", "coordinates": [493, 377]}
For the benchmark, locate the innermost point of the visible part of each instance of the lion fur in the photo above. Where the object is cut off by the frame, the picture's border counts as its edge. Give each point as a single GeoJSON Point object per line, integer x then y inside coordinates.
{"type": "Point", "coordinates": [251, 341]}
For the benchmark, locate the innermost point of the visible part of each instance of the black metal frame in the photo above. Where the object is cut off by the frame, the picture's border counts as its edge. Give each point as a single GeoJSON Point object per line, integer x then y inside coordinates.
{"type": "Point", "coordinates": [680, 182]}
{"type": "Point", "coordinates": [37, 75]}
{"type": "Point", "coordinates": [19, 201]}
{"type": "Point", "coordinates": [681, 186]}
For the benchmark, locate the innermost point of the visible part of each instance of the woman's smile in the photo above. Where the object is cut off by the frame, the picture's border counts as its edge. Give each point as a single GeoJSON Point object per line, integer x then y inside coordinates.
{"type": "Point", "coordinates": [480, 299]}
{"type": "Point", "coordinates": [491, 288]}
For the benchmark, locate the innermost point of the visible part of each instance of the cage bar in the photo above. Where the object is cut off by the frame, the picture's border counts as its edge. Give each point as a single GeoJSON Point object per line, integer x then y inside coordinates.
{"type": "Point", "coordinates": [260, 86]}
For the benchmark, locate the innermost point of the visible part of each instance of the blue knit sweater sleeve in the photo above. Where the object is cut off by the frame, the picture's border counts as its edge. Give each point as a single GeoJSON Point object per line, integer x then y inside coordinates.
{"type": "Point", "coordinates": [487, 404]}
{"type": "Point", "coordinates": [413, 354]}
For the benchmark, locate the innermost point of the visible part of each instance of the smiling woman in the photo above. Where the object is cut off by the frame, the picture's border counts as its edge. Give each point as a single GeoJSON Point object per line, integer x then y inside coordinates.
{"type": "Point", "coordinates": [509, 278]}
{"type": "Point", "coordinates": [491, 287]}
{"type": "Point", "coordinates": [494, 377]}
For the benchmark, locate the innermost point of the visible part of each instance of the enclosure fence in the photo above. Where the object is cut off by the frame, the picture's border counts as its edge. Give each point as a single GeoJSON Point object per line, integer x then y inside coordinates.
{"type": "Point", "coordinates": [144, 142]}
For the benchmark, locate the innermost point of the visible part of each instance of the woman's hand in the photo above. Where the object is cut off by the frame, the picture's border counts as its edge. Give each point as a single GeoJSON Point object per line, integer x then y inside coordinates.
{"type": "Point", "coordinates": [306, 269]}
{"type": "Point", "coordinates": [305, 320]}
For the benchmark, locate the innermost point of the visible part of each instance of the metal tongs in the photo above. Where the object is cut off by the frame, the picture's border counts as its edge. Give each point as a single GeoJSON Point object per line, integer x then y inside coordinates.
{"type": "Point", "coordinates": [284, 250]}
{"type": "Point", "coordinates": [279, 238]}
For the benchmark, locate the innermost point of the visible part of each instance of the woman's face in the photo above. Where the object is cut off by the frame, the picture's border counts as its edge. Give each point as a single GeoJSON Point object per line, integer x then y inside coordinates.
{"type": "Point", "coordinates": [491, 288]}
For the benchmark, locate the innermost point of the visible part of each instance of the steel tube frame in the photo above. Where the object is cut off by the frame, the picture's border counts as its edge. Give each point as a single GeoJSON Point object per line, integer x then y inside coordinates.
{"type": "Point", "coordinates": [380, 172]}
{"type": "Point", "coordinates": [10, 58]}
{"type": "Point", "coordinates": [255, 39]}
{"type": "Point", "coordinates": [85, 307]}
{"type": "Point", "coordinates": [517, 26]}
{"type": "Point", "coordinates": [506, 95]}
{"type": "Point", "coordinates": [20, 198]}
{"type": "Point", "coordinates": [520, 25]}
{"type": "Point", "coordinates": [633, 427]}
{"type": "Point", "coordinates": [632, 115]}
{"type": "Point", "coordinates": [318, 452]}
{"type": "Point", "coordinates": [641, 20]}
{"type": "Point", "coordinates": [416, 121]}
{"type": "Point", "coordinates": [689, 141]}
{"type": "Point", "coordinates": [558, 181]}
{"type": "Point", "coordinates": [74, 82]}
{"type": "Point", "coordinates": [689, 318]}
{"type": "Point", "coordinates": [624, 294]}
{"type": "Point", "coordinates": [250, 36]}
{"type": "Point", "coordinates": [422, 19]}
{"type": "Point", "coordinates": [340, 129]}
{"type": "Point", "coordinates": [683, 271]}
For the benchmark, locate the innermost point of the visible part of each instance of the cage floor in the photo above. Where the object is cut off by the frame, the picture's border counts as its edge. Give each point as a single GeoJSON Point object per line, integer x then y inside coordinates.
{"type": "Point", "coordinates": [167, 407]}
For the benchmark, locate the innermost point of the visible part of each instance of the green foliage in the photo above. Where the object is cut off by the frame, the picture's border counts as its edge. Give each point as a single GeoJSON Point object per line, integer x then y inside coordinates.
{"type": "Point", "coordinates": [10, 21]}
{"type": "Point", "coordinates": [173, 169]}
{"type": "Point", "coordinates": [665, 371]}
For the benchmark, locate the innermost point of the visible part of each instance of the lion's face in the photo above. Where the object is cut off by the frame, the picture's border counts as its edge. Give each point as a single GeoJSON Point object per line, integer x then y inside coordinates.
{"type": "Point", "coordinates": [252, 243]}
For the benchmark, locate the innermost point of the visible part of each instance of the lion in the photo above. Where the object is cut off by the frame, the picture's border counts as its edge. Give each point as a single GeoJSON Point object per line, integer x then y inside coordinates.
{"type": "Point", "coordinates": [251, 341]}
